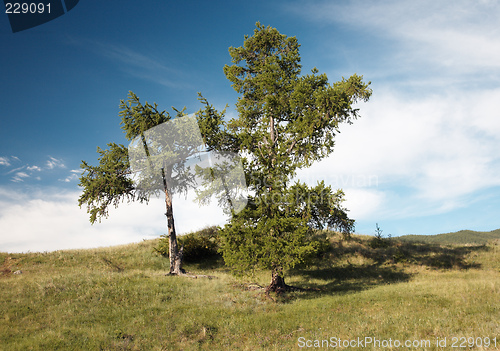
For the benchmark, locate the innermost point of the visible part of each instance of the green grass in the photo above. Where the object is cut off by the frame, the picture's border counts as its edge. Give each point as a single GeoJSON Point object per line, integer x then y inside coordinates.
{"type": "Point", "coordinates": [119, 298]}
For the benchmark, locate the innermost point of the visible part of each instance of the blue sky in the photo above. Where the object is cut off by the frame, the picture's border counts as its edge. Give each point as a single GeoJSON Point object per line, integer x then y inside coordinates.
{"type": "Point", "coordinates": [422, 159]}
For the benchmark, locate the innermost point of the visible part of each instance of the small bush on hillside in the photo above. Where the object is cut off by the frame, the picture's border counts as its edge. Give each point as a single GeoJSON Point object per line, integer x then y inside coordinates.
{"type": "Point", "coordinates": [162, 247]}
{"type": "Point", "coordinates": [198, 246]}
{"type": "Point", "coordinates": [320, 243]}
{"type": "Point", "coordinates": [399, 256]}
{"type": "Point", "coordinates": [379, 240]}
{"type": "Point", "coordinates": [322, 247]}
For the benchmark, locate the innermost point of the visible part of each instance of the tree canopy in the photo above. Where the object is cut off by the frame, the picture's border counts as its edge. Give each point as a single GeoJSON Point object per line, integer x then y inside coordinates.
{"type": "Point", "coordinates": [286, 121]}
{"type": "Point", "coordinates": [161, 169]}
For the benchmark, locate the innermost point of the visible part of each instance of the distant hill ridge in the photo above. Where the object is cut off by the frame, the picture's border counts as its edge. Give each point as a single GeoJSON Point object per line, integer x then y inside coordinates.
{"type": "Point", "coordinates": [460, 237]}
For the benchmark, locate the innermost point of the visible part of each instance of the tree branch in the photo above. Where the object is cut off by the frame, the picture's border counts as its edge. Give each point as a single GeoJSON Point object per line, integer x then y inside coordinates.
{"type": "Point", "coordinates": [291, 146]}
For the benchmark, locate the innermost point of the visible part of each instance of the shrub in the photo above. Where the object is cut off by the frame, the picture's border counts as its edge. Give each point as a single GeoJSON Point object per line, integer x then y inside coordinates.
{"type": "Point", "coordinates": [379, 240]}
{"type": "Point", "coordinates": [321, 246]}
{"type": "Point", "coordinates": [198, 245]}
{"type": "Point", "coordinates": [320, 243]}
{"type": "Point", "coordinates": [162, 247]}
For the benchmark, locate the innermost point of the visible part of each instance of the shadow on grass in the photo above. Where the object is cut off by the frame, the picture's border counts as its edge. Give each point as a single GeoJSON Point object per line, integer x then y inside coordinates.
{"type": "Point", "coordinates": [378, 263]}
{"type": "Point", "coordinates": [215, 262]}
{"type": "Point", "coordinates": [348, 279]}
{"type": "Point", "coordinates": [417, 253]}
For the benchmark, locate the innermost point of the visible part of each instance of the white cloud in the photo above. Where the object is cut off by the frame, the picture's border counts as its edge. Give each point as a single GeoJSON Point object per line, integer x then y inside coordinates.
{"type": "Point", "coordinates": [19, 177]}
{"type": "Point", "coordinates": [69, 178]}
{"type": "Point", "coordinates": [15, 170]}
{"type": "Point", "coordinates": [4, 161]}
{"type": "Point", "coordinates": [20, 173]}
{"type": "Point", "coordinates": [430, 135]}
{"type": "Point", "coordinates": [33, 168]}
{"type": "Point", "coordinates": [54, 163]}
{"type": "Point", "coordinates": [364, 203]}
{"type": "Point", "coordinates": [131, 57]}
{"type": "Point", "coordinates": [75, 174]}
{"type": "Point", "coordinates": [429, 42]}
{"type": "Point", "coordinates": [410, 157]}
{"type": "Point", "coordinates": [51, 220]}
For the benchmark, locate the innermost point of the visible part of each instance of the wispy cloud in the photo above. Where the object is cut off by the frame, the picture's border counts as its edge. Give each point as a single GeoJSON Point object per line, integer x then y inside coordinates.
{"type": "Point", "coordinates": [75, 173]}
{"type": "Point", "coordinates": [19, 177]}
{"type": "Point", "coordinates": [4, 161]}
{"type": "Point", "coordinates": [54, 163]}
{"type": "Point", "coordinates": [452, 42]}
{"type": "Point", "coordinates": [133, 58]}
{"type": "Point", "coordinates": [144, 65]}
{"type": "Point", "coordinates": [21, 173]}
{"type": "Point", "coordinates": [16, 169]}
{"type": "Point", "coordinates": [8, 161]}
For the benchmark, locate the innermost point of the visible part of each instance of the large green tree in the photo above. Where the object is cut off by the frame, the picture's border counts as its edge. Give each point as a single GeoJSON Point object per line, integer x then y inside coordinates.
{"type": "Point", "coordinates": [113, 180]}
{"type": "Point", "coordinates": [286, 121]}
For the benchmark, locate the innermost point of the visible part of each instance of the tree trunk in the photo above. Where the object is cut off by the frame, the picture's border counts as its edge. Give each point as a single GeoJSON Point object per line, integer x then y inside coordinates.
{"type": "Point", "coordinates": [175, 255]}
{"type": "Point", "coordinates": [277, 282]}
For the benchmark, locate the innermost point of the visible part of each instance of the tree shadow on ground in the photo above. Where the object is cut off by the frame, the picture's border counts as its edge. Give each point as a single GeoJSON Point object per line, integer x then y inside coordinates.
{"type": "Point", "coordinates": [347, 279]}
{"type": "Point", "coordinates": [416, 253]}
{"type": "Point", "coordinates": [214, 262]}
{"type": "Point", "coordinates": [385, 261]}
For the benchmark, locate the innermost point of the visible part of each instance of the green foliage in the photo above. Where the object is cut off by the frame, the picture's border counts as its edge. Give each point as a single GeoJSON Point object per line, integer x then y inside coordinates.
{"type": "Point", "coordinates": [212, 128]}
{"type": "Point", "coordinates": [285, 117]}
{"type": "Point", "coordinates": [253, 240]}
{"type": "Point", "coordinates": [322, 207]}
{"type": "Point", "coordinates": [108, 183]}
{"type": "Point", "coordinates": [285, 122]}
{"type": "Point", "coordinates": [162, 248]}
{"type": "Point", "coordinates": [198, 245]}
{"type": "Point", "coordinates": [151, 173]}
{"type": "Point", "coordinates": [111, 182]}
{"type": "Point", "coordinates": [378, 232]}
{"type": "Point", "coordinates": [379, 240]}
{"type": "Point", "coordinates": [320, 240]}
{"type": "Point", "coordinates": [137, 118]}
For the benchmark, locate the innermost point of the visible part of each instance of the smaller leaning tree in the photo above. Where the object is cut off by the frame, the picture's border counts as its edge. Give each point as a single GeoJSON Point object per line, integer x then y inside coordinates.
{"type": "Point", "coordinates": [162, 168]}
{"type": "Point", "coordinates": [286, 121]}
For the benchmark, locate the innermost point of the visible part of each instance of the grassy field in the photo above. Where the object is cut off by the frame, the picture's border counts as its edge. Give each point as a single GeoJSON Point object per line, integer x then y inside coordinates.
{"type": "Point", "coordinates": [461, 237]}
{"type": "Point", "coordinates": [119, 298]}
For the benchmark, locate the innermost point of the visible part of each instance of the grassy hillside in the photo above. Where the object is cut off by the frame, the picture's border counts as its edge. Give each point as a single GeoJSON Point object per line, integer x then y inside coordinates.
{"type": "Point", "coordinates": [119, 298]}
{"type": "Point", "coordinates": [460, 237]}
